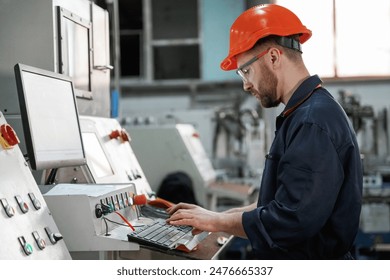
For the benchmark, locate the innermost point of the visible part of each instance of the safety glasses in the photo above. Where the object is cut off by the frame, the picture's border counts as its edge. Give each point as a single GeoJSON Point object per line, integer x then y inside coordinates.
{"type": "Point", "coordinates": [244, 70]}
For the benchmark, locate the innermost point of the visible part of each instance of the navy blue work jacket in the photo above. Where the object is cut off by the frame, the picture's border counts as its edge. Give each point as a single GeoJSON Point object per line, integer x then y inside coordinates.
{"type": "Point", "coordinates": [310, 195]}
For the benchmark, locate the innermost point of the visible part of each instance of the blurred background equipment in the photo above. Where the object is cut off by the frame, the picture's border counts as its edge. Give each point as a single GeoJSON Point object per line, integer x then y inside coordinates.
{"type": "Point", "coordinates": [373, 132]}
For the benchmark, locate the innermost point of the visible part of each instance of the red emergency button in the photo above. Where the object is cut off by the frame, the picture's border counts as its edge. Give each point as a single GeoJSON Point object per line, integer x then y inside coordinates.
{"type": "Point", "coordinates": [122, 134]}
{"type": "Point", "coordinates": [114, 134]}
{"type": "Point", "coordinates": [8, 137]}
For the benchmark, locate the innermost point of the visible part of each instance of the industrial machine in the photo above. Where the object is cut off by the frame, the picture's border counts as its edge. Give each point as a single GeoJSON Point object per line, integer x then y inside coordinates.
{"type": "Point", "coordinates": [54, 142]}
{"type": "Point", "coordinates": [78, 160]}
{"type": "Point", "coordinates": [97, 152]}
{"type": "Point", "coordinates": [29, 231]}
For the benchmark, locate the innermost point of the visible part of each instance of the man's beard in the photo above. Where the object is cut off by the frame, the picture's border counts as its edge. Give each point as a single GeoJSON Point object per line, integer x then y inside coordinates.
{"type": "Point", "coordinates": [267, 89]}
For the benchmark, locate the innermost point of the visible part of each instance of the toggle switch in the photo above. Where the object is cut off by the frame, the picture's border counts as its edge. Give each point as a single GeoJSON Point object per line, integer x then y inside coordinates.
{"type": "Point", "coordinates": [110, 204]}
{"type": "Point", "coordinates": [136, 174]}
{"type": "Point", "coordinates": [129, 175]}
{"type": "Point", "coordinates": [129, 199]}
{"type": "Point", "coordinates": [22, 205]}
{"type": "Point", "coordinates": [53, 237]}
{"type": "Point", "coordinates": [123, 201]}
{"type": "Point", "coordinates": [40, 242]}
{"type": "Point", "coordinates": [27, 248]}
{"type": "Point", "coordinates": [9, 210]}
{"type": "Point", "coordinates": [35, 201]}
{"type": "Point", "coordinates": [120, 201]}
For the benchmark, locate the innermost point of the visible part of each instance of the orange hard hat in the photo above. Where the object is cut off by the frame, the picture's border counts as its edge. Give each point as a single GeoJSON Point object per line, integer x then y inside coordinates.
{"type": "Point", "coordinates": [258, 22]}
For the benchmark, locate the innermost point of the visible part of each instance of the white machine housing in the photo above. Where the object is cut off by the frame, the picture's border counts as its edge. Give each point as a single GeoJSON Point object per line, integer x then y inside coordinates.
{"type": "Point", "coordinates": [28, 230]}
{"type": "Point", "coordinates": [73, 206]}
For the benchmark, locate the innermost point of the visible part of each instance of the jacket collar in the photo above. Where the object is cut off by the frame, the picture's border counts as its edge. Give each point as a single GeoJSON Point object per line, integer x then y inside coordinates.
{"type": "Point", "coordinates": [303, 92]}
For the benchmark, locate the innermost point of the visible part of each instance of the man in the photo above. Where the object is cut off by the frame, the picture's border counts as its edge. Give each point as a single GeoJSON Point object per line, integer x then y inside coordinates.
{"type": "Point", "coordinates": [310, 195]}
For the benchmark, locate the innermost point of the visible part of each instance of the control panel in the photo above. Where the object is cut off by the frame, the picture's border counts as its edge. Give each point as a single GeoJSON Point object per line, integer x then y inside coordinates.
{"type": "Point", "coordinates": [95, 217]}
{"type": "Point", "coordinates": [28, 230]}
{"type": "Point", "coordinates": [110, 157]}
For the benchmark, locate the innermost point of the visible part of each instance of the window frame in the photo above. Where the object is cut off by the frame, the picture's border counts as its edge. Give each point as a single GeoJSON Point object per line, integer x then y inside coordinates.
{"type": "Point", "coordinates": [311, 55]}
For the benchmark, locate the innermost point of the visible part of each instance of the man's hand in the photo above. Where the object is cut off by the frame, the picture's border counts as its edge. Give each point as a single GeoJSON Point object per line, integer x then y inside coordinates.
{"type": "Point", "coordinates": [205, 220]}
{"type": "Point", "coordinates": [197, 217]}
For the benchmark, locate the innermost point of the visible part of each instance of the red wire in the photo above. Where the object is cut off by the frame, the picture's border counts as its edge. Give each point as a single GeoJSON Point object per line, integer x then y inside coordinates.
{"type": "Point", "coordinates": [125, 220]}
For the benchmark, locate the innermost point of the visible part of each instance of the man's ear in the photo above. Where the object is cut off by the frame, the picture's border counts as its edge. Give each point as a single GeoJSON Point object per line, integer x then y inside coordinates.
{"type": "Point", "coordinates": [275, 56]}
